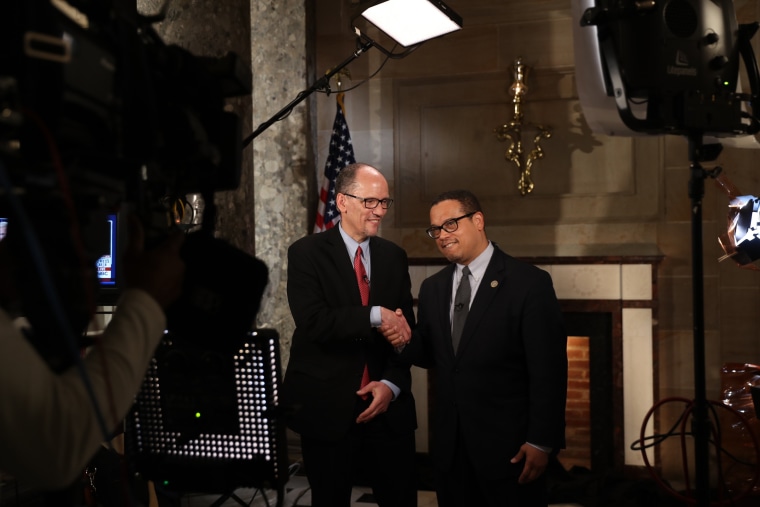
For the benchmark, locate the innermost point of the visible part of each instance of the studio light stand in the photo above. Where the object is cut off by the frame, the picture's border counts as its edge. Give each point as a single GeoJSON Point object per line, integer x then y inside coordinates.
{"type": "Point", "coordinates": [695, 38]}
{"type": "Point", "coordinates": [322, 83]}
{"type": "Point", "coordinates": [701, 427]}
{"type": "Point", "coordinates": [409, 22]}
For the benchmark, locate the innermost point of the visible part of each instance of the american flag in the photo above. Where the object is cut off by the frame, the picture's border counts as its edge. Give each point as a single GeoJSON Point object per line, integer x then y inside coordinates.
{"type": "Point", "coordinates": [341, 154]}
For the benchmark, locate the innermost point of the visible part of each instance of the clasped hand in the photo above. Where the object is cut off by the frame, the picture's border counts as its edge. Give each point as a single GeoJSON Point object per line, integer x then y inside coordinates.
{"type": "Point", "coordinates": [394, 327]}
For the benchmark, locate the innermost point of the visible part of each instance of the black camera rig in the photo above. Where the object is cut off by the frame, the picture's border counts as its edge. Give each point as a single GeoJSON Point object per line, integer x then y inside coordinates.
{"type": "Point", "coordinates": [97, 114]}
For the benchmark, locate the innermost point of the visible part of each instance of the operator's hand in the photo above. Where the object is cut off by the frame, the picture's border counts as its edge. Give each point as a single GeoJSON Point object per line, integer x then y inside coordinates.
{"type": "Point", "coordinates": [381, 398]}
{"type": "Point", "coordinates": [159, 271]}
{"type": "Point", "coordinates": [536, 461]}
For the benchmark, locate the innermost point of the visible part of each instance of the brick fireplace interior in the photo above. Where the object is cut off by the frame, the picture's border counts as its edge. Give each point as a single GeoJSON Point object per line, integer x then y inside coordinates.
{"type": "Point", "coordinates": [590, 415]}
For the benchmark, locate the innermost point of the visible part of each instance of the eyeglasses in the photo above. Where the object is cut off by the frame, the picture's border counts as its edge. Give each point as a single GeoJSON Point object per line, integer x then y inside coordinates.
{"type": "Point", "coordinates": [449, 225]}
{"type": "Point", "coordinates": [372, 202]}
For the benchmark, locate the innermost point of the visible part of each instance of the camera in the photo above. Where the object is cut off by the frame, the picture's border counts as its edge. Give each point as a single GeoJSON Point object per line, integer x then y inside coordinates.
{"type": "Point", "coordinates": [99, 116]}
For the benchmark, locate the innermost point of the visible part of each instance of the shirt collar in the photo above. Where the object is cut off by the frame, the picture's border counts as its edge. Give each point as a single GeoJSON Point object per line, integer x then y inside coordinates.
{"type": "Point", "coordinates": [479, 264]}
{"type": "Point", "coordinates": [352, 245]}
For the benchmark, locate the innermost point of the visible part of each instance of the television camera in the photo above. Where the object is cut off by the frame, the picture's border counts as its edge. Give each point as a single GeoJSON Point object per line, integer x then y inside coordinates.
{"type": "Point", "coordinates": [99, 117]}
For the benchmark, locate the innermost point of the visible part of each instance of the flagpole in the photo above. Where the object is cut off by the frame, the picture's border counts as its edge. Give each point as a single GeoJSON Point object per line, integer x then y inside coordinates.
{"type": "Point", "coordinates": [321, 84]}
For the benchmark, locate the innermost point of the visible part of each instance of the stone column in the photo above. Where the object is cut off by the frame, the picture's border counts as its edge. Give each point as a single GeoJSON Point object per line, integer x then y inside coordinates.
{"type": "Point", "coordinates": [283, 166]}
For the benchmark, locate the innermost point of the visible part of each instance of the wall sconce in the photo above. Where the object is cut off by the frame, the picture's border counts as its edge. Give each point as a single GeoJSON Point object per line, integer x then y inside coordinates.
{"type": "Point", "coordinates": [513, 131]}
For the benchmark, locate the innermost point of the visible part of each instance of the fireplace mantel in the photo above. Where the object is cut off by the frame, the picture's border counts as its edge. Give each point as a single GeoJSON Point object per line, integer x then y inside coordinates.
{"type": "Point", "coordinates": [617, 279]}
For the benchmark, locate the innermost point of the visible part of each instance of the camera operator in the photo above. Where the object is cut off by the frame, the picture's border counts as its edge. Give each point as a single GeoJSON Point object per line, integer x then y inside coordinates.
{"type": "Point", "coordinates": [49, 429]}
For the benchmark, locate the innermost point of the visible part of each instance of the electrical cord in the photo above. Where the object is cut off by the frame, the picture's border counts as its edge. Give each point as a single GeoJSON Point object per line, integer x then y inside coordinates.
{"type": "Point", "coordinates": [301, 495]}
{"type": "Point", "coordinates": [327, 91]}
{"type": "Point", "coordinates": [679, 429]}
{"type": "Point", "coordinates": [357, 85]}
{"type": "Point", "coordinates": [293, 470]}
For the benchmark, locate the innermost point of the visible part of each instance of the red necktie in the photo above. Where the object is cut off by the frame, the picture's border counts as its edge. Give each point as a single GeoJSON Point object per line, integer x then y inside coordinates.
{"type": "Point", "coordinates": [363, 281]}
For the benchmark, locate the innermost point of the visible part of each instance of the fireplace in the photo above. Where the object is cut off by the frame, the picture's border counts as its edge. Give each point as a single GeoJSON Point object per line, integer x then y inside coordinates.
{"type": "Point", "coordinates": [609, 303]}
{"type": "Point", "coordinates": [592, 416]}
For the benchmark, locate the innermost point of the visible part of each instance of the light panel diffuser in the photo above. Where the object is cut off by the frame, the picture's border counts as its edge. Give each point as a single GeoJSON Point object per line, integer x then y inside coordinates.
{"type": "Point", "coordinates": [410, 22]}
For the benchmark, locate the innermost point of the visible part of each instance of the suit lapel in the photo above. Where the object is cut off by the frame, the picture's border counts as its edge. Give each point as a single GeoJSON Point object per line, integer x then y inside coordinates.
{"type": "Point", "coordinates": [343, 264]}
{"type": "Point", "coordinates": [445, 284]}
{"type": "Point", "coordinates": [493, 280]}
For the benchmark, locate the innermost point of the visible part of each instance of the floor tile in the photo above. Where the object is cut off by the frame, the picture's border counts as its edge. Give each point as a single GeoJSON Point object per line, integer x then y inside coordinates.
{"type": "Point", "coordinates": [297, 494]}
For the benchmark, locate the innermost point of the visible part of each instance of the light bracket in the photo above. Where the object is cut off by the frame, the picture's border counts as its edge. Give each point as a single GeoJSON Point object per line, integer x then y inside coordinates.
{"type": "Point", "coordinates": [408, 22]}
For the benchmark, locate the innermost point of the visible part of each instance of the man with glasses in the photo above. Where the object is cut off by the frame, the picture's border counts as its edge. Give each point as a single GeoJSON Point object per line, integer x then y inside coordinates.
{"type": "Point", "coordinates": [491, 327]}
{"type": "Point", "coordinates": [345, 390]}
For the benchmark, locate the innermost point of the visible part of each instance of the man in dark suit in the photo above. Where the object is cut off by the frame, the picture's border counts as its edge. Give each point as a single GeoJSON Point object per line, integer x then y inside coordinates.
{"type": "Point", "coordinates": [499, 393]}
{"type": "Point", "coordinates": [343, 433]}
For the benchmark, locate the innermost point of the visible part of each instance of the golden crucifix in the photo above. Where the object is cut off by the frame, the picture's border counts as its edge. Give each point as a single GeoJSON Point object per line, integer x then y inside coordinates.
{"type": "Point", "coordinates": [513, 130]}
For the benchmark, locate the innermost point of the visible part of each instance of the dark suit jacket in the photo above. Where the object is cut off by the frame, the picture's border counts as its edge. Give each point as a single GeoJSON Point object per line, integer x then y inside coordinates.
{"type": "Point", "coordinates": [333, 337]}
{"type": "Point", "coordinates": [507, 383]}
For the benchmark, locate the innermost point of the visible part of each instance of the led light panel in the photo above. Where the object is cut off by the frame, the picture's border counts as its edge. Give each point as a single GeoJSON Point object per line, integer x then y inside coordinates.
{"type": "Point", "coordinates": [206, 419]}
{"type": "Point", "coordinates": [410, 22]}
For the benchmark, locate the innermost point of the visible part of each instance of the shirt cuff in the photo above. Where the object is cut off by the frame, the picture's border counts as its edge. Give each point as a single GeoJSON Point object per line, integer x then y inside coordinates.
{"type": "Point", "coordinates": [547, 450]}
{"type": "Point", "coordinates": [375, 317]}
{"type": "Point", "coordinates": [392, 386]}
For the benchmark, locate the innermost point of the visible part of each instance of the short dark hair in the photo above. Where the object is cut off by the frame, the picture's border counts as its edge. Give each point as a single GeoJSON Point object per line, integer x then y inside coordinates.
{"type": "Point", "coordinates": [467, 199]}
{"type": "Point", "coordinates": [347, 177]}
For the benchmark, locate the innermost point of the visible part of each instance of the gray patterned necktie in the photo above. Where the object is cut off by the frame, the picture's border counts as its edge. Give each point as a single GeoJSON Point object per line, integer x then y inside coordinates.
{"type": "Point", "coordinates": [461, 307]}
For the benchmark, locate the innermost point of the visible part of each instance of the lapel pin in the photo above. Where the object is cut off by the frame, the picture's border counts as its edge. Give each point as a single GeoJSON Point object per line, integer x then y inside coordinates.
{"type": "Point", "coordinates": [494, 284]}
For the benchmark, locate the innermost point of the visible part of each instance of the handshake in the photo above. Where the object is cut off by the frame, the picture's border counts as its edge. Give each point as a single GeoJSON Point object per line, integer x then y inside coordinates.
{"type": "Point", "coordinates": [394, 327]}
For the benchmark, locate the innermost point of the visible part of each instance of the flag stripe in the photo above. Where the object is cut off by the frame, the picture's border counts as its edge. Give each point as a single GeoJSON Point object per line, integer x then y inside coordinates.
{"type": "Point", "coordinates": [341, 154]}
